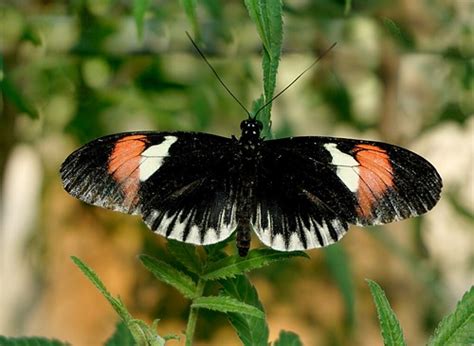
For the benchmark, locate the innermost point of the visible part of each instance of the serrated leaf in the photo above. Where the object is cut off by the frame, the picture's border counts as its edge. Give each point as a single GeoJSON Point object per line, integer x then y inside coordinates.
{"type": "Point", "coordinates": [226, 304]}
{"type": "Point", "coordinates": [251, 330]}
{"type": "Point", "coordinates": [92, 276]}
{"type": "Point", "coordinates": [190, 10]}
{"type": "Point", "coordinates": [139, 10]}
{"type": "Point", "coordinates": [390, 327]}
{"type": "Point", "coordinates": [338, 265]}
{"type": "Point", "coordinates": [458, 327]}
{"type": "Point", "coordinates": [121, 336]}
{"type": "Point", "coordinates": [186, 255]}
{"type": "Point", "coordinates": [236, 265]}
{"type": "Point", "coordinates": [141, 332]}
{"type": "Point", "coordinates": [255, 11]}
{"type": "Point", "coordinates": [172, 276]}
{"type": "Point", "coordinates": [267, 16]}
{"type": "Point", "coordinates": [288, 339]}
{"type": "Point", "coordinates": [30, 341]}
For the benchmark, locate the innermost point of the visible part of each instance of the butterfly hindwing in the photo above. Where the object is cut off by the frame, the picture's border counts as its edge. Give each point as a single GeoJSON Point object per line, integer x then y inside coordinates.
{"type": "Point", "coordinates": [179, 181]}
{"type": "Point", "coordinates": [300, 205]}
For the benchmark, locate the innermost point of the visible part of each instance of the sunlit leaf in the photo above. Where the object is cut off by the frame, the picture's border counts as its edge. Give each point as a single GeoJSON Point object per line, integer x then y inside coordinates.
{"type": "Point", "coordinates": [227, 304]}
{"type": "Point", "coordinates": [236, 265]}
{"type": "Point", "coordinates": [251, 330]}
{"type": "Point", "coordinates": [390, 327]}
{"type": "Point", "coordinates": [458, 327]}
{"type": "Point", "coordinates": [172, 276]}
{"type": "Point", "coordinates": [186, 255]}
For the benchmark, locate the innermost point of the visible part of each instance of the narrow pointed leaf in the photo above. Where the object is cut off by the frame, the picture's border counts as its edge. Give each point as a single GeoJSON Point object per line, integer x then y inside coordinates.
{"type": "Point", "coordinates": [186, 255]}
{"type": "Point", "coordinates": [458, 327]}
{"type": "Point", "coordinates": [92, 276]}
{"type": "Point", "coordinates": [288, 339]}
{"type": "Point", "coordinates": [391, 331]}
{"type": "Point", "coordinates": [166, 273]}
{"type": "Point", "coordinates": [236, 265]}
{"type": "Point", "coordinates": [139, 10]}
{"type": "Point", "coordinates": [226, 305]}
{"type": "Point", "coordinates": [30, 341]}
{"type": "Point", "coordinates": [267, 16]}
{"type": "Point", "coordinates": [255, 12]}
{"type": "Point", "coordinates": [141, 332]}
{"type": "Point", "coordinates": [251, 330]}
{"type": "Point", "coordinates": [190, 10]}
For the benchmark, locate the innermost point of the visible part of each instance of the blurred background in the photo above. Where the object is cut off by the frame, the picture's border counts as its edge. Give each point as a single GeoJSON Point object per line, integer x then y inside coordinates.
{"type": "Point", "coordinates": [71, 71]}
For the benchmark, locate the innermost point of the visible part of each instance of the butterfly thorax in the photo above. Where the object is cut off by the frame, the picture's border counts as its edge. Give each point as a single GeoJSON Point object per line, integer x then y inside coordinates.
{"type": "Point", "coordinates": [249, 143]}
{"type": "Point", "coordinates": [250, 137]}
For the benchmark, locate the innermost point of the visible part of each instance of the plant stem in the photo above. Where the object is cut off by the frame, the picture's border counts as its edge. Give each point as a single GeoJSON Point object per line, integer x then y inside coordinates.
{"type": "Point", "coordinates": [193, 314]}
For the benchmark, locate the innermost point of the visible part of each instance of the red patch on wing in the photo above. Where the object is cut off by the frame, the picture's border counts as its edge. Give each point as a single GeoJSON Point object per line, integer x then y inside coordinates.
{"type": "Point", "coordinates": [376, 176]}
{"type": "Point", "coordinates": [124, 162]}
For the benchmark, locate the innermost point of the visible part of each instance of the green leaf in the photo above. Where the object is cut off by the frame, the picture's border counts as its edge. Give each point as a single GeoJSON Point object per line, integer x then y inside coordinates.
{"type": "Point", "coordinates": [458, 327]}
{"type": "Point", "coordinates": [121, 336]}
{"type": "Point", "coordinates": [288, 339]}
{"type": "Point", "coordinates": [236, 265]}
{"type": "Point", "coordinates": [186, 255]}
{"type": "Point", "coordinates": [139, 10]}
{"type": "Point", "coordinates": [141, 332]}
{"type": "Point", "coordinates": [267, 16]}
{"type": "Point", "coordinates": [251, 330]}
{"type": "Point", "coordinates": [338, 265]}
{"type": "Point", "coordinates": [391, 331]}
{"type": "Point", "coordinates": [190, 10]}
{"type": "Point", "coordinates": [166, 273]}
{"type": "Point", "coordinates": [254, 7]}
{"type": "Point", "coordinates": [226, 304]}
{"type": "Point", "coordinates": [30, 341]}
{"type": "Point", "coordinates": [92, 276]}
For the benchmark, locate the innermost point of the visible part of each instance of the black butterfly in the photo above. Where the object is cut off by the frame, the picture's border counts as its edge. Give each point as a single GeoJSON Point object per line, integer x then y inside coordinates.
{"type": "Point", "coordinates": [295, 193]}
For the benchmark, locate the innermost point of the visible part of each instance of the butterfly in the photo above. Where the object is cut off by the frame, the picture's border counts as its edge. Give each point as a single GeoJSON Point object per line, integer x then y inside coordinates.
{"type": "Point", "coordinates": [295, 193]}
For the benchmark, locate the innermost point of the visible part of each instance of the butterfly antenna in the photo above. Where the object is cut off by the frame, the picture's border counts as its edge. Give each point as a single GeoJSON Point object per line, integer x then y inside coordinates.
{"type": "Point", "coordinates": [298, 77]}
{"type": "Point", "coordinates": [217, 75]}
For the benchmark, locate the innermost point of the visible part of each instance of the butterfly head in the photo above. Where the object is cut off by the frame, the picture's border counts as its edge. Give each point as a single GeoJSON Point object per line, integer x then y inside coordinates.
{"type": "Point", "coordinates": [251, 129]}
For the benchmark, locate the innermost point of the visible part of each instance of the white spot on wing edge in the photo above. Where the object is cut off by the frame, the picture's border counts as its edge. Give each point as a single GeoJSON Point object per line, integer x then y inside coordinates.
{"type": "Point", "coordinates": [347, 166]}
{"type": "Point", "coordinates": [152, 158]}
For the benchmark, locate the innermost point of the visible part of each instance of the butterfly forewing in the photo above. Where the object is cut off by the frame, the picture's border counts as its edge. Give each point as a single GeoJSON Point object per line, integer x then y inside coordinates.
{"type": "Point", "coordinates": [181, 182]}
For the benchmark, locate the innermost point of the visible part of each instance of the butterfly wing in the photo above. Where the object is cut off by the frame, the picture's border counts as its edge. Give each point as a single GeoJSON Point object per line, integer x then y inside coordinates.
{"type": "Point", "coordinates": [179, 182]}
{"type": "Point", "coordinates": [310, 188]}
